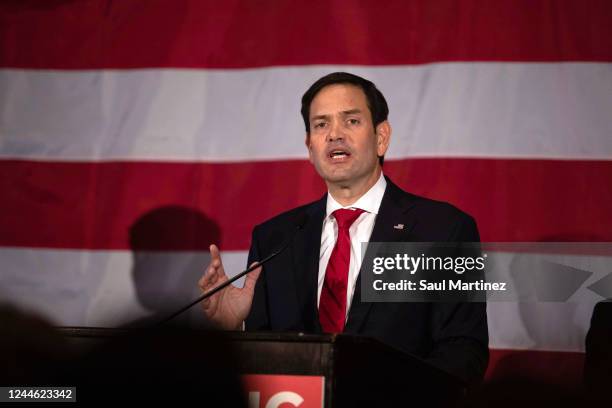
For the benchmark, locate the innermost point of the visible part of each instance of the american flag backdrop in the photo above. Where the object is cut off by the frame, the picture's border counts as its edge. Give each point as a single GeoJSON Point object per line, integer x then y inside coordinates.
{"type": "Point", "coordinates": [135, 133]}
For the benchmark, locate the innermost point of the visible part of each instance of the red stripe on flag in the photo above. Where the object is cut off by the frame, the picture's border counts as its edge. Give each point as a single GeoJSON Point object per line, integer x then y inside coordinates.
{"type": "Point", "coordinates": [183, 206]}
{"type": "Point", "coordinates": [240, 34]}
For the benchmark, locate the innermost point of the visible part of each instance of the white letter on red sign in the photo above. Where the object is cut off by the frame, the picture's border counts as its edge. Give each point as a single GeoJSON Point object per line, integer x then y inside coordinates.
{"type": "Point", "coordinates": [285, 396]}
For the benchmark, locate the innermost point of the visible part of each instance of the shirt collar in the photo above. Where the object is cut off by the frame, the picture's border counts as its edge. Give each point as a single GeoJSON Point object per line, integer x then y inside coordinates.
{"type": "Point", "coordinates": [369, 202]}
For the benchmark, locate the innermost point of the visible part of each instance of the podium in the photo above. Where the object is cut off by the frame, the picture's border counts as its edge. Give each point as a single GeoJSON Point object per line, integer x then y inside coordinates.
{"type": "Point", "coordinates": [350, 370]}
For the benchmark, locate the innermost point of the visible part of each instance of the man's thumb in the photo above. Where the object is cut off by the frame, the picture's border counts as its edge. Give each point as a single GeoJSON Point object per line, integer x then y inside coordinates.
{"type": "Point", "coordinates": [251, 278]}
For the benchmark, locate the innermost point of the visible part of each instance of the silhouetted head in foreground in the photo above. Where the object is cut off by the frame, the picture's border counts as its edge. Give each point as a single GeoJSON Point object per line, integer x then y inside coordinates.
{"type": "Point", "coordinates": [171, 364]}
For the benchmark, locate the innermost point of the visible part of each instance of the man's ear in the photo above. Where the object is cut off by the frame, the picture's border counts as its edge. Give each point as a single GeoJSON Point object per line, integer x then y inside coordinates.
{"type": "Point", "coordinates": [307, 143]}
{"type": "Point", "coordinates": [383, 137]}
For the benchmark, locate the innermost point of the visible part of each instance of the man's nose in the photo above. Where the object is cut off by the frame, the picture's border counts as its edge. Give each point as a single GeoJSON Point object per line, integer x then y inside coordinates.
{"type": "Point", "coordinates": [335, 132]}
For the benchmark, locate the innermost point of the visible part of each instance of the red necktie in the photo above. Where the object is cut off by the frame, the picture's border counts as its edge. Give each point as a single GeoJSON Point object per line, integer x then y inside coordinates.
{"type": "Point", "coordinates": [332, 304]}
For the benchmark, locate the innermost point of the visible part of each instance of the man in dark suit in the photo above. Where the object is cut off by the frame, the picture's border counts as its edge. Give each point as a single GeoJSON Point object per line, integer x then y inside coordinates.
{"type": "Point", "coordinates": [314, 285]}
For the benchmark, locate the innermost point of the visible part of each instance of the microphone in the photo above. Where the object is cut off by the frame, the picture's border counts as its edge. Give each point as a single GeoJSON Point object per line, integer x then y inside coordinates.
{"type": "Point", "coordinates": [300, 221]}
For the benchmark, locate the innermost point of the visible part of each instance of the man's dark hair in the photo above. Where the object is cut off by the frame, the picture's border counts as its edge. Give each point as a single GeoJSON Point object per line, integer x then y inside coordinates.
{"type": "Point", "coordinates": [375, 99]}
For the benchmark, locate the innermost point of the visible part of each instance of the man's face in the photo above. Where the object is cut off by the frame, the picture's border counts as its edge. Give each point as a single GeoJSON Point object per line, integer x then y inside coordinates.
{"type": "Point", "coordinates": [343, 145]}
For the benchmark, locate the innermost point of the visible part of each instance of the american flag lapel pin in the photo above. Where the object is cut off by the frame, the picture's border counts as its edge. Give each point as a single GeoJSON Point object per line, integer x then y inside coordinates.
{"type": "Point", "coordinates": [399, 226]}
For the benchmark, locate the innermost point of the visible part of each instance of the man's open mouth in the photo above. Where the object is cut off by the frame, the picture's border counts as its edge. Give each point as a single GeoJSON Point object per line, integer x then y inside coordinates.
{"type": "Point", "coordinates": [338, 154]}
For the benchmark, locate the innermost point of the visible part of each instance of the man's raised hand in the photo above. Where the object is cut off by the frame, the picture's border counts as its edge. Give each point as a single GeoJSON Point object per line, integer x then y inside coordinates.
{"type": "Point", "coordinates": [229, 307]}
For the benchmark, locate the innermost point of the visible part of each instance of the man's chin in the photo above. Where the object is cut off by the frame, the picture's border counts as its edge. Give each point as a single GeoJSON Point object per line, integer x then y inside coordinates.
{"type": "Point", "coordinates": [338, 179]}
{"type": "Point", "coordinates": [347, 179]}
{"type": "Point", "coordinates": [340, 176]}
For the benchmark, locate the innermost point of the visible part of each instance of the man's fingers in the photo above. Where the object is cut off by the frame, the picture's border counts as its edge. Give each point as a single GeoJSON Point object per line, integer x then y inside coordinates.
{"type": "Point", "coordinates": [251, 278]}
{"type": "Point", "coordinates": [215, 254]}
{"type": "Point", "coordinates": [206, 283]}
{"type": "Point", "coordinates": [206, 277]}
{"type": "Point", "coordinates": [214, 271]}
{"type": "Point", "coordinates": [209, 278]}
{"type": "Point", "coordinates": [215, 259]}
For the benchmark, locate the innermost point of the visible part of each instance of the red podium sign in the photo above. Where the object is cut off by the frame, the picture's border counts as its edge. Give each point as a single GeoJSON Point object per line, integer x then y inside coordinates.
{"type": "Point", "coordinates": [284, 391]}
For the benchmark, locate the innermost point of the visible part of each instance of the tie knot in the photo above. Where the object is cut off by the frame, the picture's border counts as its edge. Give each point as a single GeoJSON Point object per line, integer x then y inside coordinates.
{"type": "Point", "coordinates": [345, 217]}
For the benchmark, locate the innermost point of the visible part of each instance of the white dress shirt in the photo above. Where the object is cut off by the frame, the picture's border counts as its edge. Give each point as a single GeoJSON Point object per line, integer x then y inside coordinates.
{"type": "Point", "coordinates": [359, 232]}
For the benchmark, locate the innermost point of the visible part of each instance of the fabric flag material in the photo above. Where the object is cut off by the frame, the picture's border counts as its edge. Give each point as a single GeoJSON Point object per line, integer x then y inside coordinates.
{"type": "Point", "coordinates": [131, 135]}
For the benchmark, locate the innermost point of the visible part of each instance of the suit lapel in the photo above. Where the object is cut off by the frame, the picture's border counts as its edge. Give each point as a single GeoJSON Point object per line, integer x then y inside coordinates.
{"type": "Point", "coordinates": [394, 210]}
{"type": "Point", "coordinates": [306, 250]}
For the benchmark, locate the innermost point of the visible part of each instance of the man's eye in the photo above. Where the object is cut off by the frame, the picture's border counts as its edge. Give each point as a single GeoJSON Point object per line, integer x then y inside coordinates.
{"type": "Point", "coordinates": [319, 125]}
{"type": "Point", "coordinates": [353, 121]}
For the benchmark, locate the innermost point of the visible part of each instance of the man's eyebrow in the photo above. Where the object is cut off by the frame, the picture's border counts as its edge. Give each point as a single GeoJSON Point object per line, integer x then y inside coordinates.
{"type": "Point", "coordinates": [320, 117]}
{"type": "Point", "coordinates": [344, 113]}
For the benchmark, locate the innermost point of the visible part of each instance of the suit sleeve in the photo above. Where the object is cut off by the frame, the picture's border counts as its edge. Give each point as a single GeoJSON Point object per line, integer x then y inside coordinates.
{"type": "Point", "coordinates": [459, 329]}
{"type": "Point", "coordinates": [258, 316]}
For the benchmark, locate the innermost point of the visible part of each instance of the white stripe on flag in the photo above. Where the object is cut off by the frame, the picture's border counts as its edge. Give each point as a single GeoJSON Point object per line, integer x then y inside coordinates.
{"type": "Point", "coordinates": [110, 288]}
{"type": "Point", "coordinates": [497, 110]}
